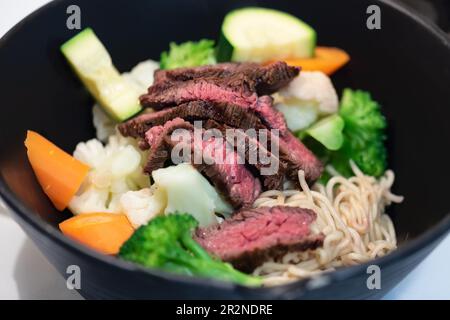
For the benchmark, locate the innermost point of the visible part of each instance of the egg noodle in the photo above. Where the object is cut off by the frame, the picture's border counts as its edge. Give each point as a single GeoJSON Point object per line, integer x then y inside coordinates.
{"type": "Point", "coordinates": [350, 213]}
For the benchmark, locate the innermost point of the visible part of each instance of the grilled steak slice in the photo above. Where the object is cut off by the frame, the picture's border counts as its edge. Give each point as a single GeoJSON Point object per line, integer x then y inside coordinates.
{"type": "Point", "coordinates": [299, 157]}
{"type": "Point", "coordinates": [160, 145]}
{"type": "Point", "coordinates": [250, 237]}
{"type": "Point", "coordinates": [167, 94]}
{"type": "Point", "coordinates": [231, 177]}
{"type": "Point", "coordinates": [228, 114]}
{"type": "Point", "coordinates": [184, 74]}
{"type": "Point", "coordinates": [253, 77]}
{"type": "Point", "coordinates": [268, 167]}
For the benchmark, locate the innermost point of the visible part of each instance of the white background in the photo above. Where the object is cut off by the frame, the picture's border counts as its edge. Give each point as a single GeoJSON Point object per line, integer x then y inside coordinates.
{"type": "Point", "coordinates": [25, 273]}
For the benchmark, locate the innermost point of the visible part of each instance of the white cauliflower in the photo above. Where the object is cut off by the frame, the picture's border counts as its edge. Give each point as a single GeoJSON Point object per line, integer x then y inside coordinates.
{"type": "Point", "coordinates": [308, 96]}
{"type": "Point", "coordinates": [186, 190]}
{"type": "Point", "coordinates": [141, 77]}
{"type": "Point", "coordinates": [143, 205]}
{"type": "Point", "coordinates": [178, 188]}
{"type": "Point", "coordinates": [142, 74]}
{"type": "Point", "coordinates": [104, 125]}
{"type": "Point", "coordinates": [115, 169]}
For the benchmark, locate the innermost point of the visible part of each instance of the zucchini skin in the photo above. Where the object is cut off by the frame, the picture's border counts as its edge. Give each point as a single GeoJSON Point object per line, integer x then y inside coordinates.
{"type": "Point", "coordinates": [224, 50]}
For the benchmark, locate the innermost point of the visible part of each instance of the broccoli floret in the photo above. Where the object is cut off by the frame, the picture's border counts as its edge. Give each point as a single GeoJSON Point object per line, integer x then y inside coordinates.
{"type": "Point", "coordinates": [166, 243]}
{"type": "Point", "coordinates": [363, 135]}
{"type": "Point", "coordinates": [188, 54]}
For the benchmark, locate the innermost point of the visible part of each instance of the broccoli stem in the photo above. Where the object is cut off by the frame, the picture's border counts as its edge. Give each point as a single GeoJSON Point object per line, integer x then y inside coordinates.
{"type": "Point", "coordinates": [194, 247]}
{"type": "Point", "coordinates": [203, 265]}
{"type": "Point", "coordinates": [224, 271]}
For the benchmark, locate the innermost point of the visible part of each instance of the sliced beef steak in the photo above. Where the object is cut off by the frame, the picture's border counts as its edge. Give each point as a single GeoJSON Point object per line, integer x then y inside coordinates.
{"type": "Point", "coordinates": [253, 77]}
{"type": "Point", "coordinates": [253, 236]}
{"type": "Point", "coordinates": [167, 94]}
{"type": "Point", "coordinates": [158, 138]}
{"type": "Point", "coordinates": [252, 146]}
{"type": "Point", "coordinates": [184, 74]}
{"type": "Point", "coordinates": [292, 152]}
{"type": "Point", "coordinates": [228, 114]}
{"type": "Point", "coordinates": [229, 175]}
{"type": "Point", "coordinates": [232, 94]}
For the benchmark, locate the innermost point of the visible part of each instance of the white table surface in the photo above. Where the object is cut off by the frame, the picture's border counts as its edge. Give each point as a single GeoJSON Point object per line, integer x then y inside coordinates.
{"type": "Point", "coordinates": [26, 274]}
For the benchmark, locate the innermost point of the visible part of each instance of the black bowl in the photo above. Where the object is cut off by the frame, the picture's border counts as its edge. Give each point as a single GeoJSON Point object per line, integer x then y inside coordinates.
{"type": "Point", "coordinates": [405, 64]}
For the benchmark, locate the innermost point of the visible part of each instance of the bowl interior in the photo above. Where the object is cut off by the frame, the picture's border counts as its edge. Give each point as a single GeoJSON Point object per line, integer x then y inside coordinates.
{"type": "Point", "coordinates": [403, 65]}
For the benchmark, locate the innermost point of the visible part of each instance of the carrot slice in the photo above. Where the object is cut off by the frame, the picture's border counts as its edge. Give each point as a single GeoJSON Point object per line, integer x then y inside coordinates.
{"type": "Point", "coordinates": [104, 232]}
{"type": "Point", "coordinates": [59, 174]}
{"type": "Point", "coordinates": [326, 59]}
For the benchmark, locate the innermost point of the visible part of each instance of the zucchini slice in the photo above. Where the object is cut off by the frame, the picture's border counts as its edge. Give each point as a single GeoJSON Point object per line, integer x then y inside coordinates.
{"type": "Point", "coordinates": [92, 63]}
{"type": "Point", "coordinates": [260, 34]}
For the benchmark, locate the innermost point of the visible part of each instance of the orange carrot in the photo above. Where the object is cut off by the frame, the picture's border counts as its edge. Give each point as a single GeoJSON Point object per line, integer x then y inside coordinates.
{"type": "Point", "coordinates": [326, 59]}
{"type": "Point", "coordinates": [104, 232]}
{"type": "Point", "coordinates": [59, 174]}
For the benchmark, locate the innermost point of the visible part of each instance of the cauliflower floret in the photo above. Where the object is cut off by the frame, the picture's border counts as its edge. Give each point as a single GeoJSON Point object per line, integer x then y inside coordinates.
{"type": "Point", "coordinates": [142, 206]}
{"type": "Point", "coordinates": [91, 152]}
{"type": "Point", "coordinates": [142, 73]}
{"type": "Point", "coordinates": [115, 169]}
{"type": "Point", "coordinates": [89, 200]}
{"type": "Point", "coordinates": [314, 88]}
{"type": "Point", "coordinates": [178, 188]}
{"type": "Point", "coordinates": [186, 190]}
{"type": "Point", "coordinates": [104, 125]}
{"type": "Point", "coordinates": [308, 96]}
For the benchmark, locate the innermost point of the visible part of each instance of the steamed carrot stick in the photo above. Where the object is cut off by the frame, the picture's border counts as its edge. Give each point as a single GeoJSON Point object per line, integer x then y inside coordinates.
{"type": "Point", "coordinates": [104, 232]}
{"type": "Point", "coordinates": [59, 174]}
{"type": "Point", "coordinates": [326, 59]}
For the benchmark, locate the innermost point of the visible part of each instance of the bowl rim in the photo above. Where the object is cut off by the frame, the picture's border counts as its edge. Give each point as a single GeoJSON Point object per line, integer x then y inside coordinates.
{"type": "Point", "coordinates": [27, 215]}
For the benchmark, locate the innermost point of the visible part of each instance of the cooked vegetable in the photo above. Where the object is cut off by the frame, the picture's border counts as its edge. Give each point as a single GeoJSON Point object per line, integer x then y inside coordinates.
{"type": "Point", "coordinates": [312, 89]}
{"type": "Point", "coordinates": [260, 34]}
{"type": "Point", "coordinates": [308, 96]}
{"type": "Point", "coordinates": [166, 243]}
{"type": "Point", "coordinates": [362, 125]}
{"type": "Point", "coordinates": [59, 174]}
{"type": "Point", "coordinates": [104, 125]}
{"type": "Point", "coordinates": [115, 169]}
{"type": "Point", "coordinates": [327, 60]}
{"type": "Point", "coordinates": [188, 54]}
{"type": "Point", "coordinates": [141, 77]}
{"type": "Point", "coordinates": [186, 190]}
{"type": "Point", "coordinates": [93, 64]}
{"type": "Point", "coordinates": [363, 134]}
{"type": "Point", "coordinates": [143, 205]}
{"type": "Point", "coordinates": [298, 115]}
{"type": "Point", "coordinates": [104, 232]}
{"type": "Point", "coordinates": [142, 74]}
{"type": "Point", "coordinates": [328, 131]}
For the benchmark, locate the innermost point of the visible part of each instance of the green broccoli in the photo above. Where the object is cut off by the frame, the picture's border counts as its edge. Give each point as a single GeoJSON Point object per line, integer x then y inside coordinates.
{"type": "Point", "coordinates": [188, 54]}
{"type": "Point", "coordinates": [166, 243]}
{"type": "Point", "coordinates": [364, 135]}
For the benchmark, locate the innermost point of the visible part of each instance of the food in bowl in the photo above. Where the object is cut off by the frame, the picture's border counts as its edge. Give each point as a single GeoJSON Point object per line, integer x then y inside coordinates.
{"type": "Point", "coordinates": [235, 161]}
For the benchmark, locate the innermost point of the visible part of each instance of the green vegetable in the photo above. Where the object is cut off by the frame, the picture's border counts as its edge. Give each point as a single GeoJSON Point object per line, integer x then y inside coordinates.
{"type": "Point", "coordinates": [188, 54]}
{"type": "Point", "coordinates": [363, 136]}
{"type": "Point", "coordinates": [260, 35]}
{"type": "Point", "coordinates": [92, 63]}
{"type": "Point", "coordinates": [166, 243]}
{"type": "Point", "coordinates": [328, 131]}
